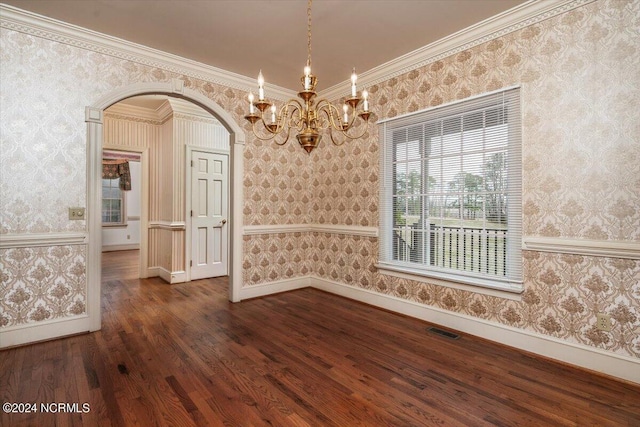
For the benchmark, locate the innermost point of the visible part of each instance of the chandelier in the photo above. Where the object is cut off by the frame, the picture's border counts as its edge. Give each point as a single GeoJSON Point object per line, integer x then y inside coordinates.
{"type": "Point", "coordinates": [309, 116]}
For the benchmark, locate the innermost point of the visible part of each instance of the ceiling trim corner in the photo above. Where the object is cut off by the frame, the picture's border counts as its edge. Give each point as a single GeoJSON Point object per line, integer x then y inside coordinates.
{"type": "Point", "coordinates": [514, 19]}
{"type": "Point", "coordinates": [15, 19]}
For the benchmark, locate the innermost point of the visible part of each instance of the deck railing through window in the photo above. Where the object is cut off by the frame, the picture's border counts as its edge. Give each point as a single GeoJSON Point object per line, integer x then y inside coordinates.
{"type": "Point", "coordinates": [459, 248]}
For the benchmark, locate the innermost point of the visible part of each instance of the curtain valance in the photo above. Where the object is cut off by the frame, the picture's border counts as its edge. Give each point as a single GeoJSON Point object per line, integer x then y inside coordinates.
{"type": "Point", "coordinates": [113, 169]}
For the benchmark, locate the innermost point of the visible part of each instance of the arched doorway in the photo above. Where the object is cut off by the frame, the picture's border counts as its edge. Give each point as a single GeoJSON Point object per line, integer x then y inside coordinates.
{"type": "Point", "coordinates": [94, 120]}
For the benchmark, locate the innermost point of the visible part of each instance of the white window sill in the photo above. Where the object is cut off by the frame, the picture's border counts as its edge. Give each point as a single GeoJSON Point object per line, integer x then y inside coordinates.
{"type": "Point", "coordinates": [502, 289]}
{"type": "Point", "coordinates": [114, 225]}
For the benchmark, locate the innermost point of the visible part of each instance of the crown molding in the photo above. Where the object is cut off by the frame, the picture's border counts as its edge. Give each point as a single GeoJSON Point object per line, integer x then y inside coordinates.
{"type": "Point", "coordinates": [519, 17]}
{"type": "Point", "coordinates": [164, 111]}
{"type": "Point", "coordinates": [190, 109]}
{"type": "Point", "coordinates": [514, 19]}
{"type": "Point", "coordinates": [15, 19]}
{"type": "Point", "coordinates": [121, 109]}
{"type": "Point", "coordinates": [159, 115]}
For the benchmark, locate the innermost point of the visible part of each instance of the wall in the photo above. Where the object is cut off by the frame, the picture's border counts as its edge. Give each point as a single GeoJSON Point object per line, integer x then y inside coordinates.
{"type": "Point", "coordinates": [311, 219]}
{"type": "Point", "coordinates": [48, 79]}
{"type": "Point", "coordinates": [133, 129]}
{"type": "Point", "coordinates": [580, 88]}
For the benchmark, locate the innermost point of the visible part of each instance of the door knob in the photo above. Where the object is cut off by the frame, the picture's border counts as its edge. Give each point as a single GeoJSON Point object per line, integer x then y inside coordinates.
{"type": "Point", "coordinates": [223, 222]}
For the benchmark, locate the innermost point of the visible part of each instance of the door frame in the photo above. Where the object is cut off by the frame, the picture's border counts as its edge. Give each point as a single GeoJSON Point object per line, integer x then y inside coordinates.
{"type": "Point", "coordinates": [144, 204]}
{"type": "Point", "coordinates": [188, 223]}
{"type": "Point", "coordinates": [94, 118]}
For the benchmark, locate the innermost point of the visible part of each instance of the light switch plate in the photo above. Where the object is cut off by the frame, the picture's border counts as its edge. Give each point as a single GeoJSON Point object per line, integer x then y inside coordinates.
{"type": "Point", "coordinates": [76, 213]}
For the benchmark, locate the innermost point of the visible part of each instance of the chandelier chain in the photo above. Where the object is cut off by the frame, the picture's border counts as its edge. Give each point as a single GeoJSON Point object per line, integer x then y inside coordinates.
{"type": "Point", "coordinates": [309, 32]}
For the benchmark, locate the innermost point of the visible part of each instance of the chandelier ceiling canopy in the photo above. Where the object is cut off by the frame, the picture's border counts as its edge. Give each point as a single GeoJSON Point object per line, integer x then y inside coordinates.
{"type": "Point", "coordinates": [307, 116]}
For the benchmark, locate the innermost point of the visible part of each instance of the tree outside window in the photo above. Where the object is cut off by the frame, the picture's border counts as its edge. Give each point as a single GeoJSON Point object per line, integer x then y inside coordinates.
{"type": "Point", "coordinates": [452, 192]}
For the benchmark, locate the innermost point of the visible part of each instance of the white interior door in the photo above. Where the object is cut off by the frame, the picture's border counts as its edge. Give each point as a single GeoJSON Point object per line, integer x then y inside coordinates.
{"type": "Point", "coordinates": [209, 204]}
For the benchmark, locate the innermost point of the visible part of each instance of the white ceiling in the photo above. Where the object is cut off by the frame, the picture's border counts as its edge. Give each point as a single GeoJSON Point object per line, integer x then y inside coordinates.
{"type": "Point", "coordinates": [244, 36]}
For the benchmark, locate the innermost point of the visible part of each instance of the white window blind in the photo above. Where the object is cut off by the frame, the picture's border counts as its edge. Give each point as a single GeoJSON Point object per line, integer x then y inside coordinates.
{"type": "Point", "coordinates": [112, 202]}
{"type": "Point", "coordinates": [451, 193]}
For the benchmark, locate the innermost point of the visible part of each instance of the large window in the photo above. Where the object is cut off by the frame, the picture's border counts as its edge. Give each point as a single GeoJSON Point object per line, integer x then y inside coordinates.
{"type": "Point", "coordinates": [451, 192]}
{"type": "Point", "coordinates": [112, 202]}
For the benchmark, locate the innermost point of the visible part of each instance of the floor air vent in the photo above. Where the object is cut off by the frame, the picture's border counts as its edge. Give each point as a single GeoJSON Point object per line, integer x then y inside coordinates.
{"type": "Point", "coordinates": [444, 333]}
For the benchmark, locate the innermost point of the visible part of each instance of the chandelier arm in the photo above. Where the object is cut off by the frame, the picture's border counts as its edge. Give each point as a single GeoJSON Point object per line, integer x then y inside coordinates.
{"type": "Point", "coordinates": [333, 140]}
{"type": "Point", "coordinates": [328, 108]}
{"type": "Point", "coordinates": [257, 134]}
{"type": "Point", "coordinates": [286, 119]}
{"type": "Point", "coordinates": [286, 139]}
{"type": "Point", "coordinates": [364, 130]}
{"type": "Point", "coordinates": [281, 120]}
{"type": "Point", "coordinates": [297, 105]}
{"type": "Point", "coordinates": [322, 122]}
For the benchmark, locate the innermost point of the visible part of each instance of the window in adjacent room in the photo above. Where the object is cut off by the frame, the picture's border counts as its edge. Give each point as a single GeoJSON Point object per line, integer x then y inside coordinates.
{"type": "Point", "coordinates": [112, 202]}
{"type": "Point", "coordinates": [451, 192]}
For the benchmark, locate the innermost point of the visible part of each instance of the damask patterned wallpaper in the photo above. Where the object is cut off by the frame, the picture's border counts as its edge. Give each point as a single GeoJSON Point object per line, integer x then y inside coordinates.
{"type": "Point", "coordinates": [276, 182]}
{"type": "Point", "coordinates": [580, 89]}
{"type": "Point", "coordinates": [42, 170]}
{"type": "Point", "coordinates": [41, 284]}
{"type": "Point", "coordinates": [46, 86]}
{"type": "Point", "coordinates": [580, 83]}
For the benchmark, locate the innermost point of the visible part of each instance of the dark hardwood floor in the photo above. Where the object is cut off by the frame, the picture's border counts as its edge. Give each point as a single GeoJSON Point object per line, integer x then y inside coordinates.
{"type": "Point", "coordinates": [182, 355]}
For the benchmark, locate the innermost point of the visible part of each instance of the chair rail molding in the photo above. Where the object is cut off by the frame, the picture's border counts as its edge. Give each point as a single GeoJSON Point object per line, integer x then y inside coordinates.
{"type": "Point", "coordinates": [349, 230]}
{"type": "Point", "coordinates": [8, 241]}
{"type": "Point", "coordinates": [599, 248]}
{"type": "Point", "coordinates": [168, 225]}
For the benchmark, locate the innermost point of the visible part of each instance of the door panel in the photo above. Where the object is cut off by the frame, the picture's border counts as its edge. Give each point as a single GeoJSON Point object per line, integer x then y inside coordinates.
{"type": "Point", "coordinates": [209, 204]}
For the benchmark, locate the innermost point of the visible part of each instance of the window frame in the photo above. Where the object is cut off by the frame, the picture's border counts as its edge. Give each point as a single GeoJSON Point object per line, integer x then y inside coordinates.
{"type": "Point", "coordinates": [123, 210]}
{"type": "Point", "coordinates": [511, 281]}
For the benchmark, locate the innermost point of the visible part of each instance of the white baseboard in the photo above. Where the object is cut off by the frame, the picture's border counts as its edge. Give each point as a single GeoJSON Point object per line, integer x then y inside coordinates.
{"type": "Point", "coordinates": [594, 359]}
{"type": "Point", "coordinates": [129, 247]}
{"type": "Point", "coordinates": [33, 332]}
{"type": "Point", "coordinates": [171, 277]}
{"type": "Point", "coordinates": [153, 271]}
{"type": "Point", "coordinates": [274, 287]}
{"type": "Point", "coordinates": [623, 367]}
{"type": "Point", "coordinates": [164, 274]}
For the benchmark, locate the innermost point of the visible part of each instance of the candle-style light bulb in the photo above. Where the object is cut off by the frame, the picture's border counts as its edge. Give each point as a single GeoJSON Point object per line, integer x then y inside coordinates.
{"type": "Point", "coordinates": [354, 78]}
{"type": "Point", "coordinates": [365, 96]}
{"type": "Point", "coordinates": [260, 86]}
{"type": "Point", "coordinates": [273, 114]}
{"type": "Point", "coordinates": [345, 108]}
{"type": "Point", "coordinates": [307, 77]}
{"type": "Point", "coordinates": [251, 103]}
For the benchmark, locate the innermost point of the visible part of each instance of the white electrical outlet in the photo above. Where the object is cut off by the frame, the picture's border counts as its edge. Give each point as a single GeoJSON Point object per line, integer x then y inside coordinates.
{"type": "Point", "coordinates": [603, 322]}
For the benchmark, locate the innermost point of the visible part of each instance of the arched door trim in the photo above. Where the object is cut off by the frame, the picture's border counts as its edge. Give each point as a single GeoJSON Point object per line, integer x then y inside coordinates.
{"type": "Point", "coordinates": [94, 118]}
